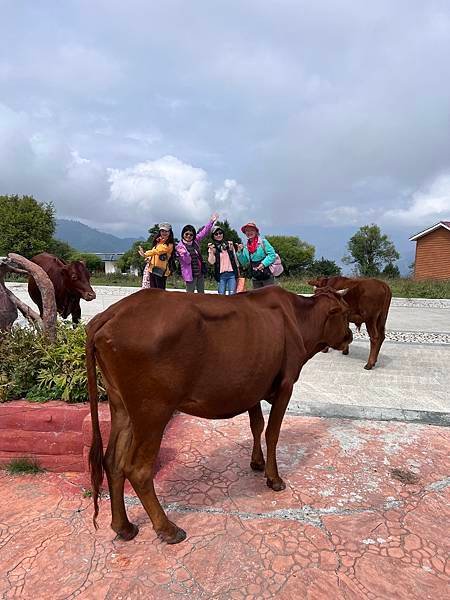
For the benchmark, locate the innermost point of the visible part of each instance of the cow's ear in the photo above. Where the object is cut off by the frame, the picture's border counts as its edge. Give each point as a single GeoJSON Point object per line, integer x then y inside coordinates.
{"type": "Point", "coordinates": [334, 310]}
{"type": "Point", "coordinates": [342, 292]}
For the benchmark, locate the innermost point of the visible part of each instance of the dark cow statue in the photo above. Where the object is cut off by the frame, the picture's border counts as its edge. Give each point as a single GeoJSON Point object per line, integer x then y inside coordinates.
{"type": "Point", "coordinates": [369, 300]}
{"type": "Point", "coordinates": [70, 280]}
{"type": "Point", "coordinates": [208, 356]}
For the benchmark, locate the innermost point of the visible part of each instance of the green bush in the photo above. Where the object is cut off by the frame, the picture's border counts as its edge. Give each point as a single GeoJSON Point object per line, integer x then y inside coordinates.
{"type": "Point", "coordinates": [23, 466]}
{"type": "Point", "coordinates": [32, 367]}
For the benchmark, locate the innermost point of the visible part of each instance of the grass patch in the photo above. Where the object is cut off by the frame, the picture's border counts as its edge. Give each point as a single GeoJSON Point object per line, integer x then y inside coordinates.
{"type": "Point", "coordinates": [23, 466]}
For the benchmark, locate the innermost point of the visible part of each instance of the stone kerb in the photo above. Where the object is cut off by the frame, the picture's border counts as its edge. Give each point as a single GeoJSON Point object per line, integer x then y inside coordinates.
{"type": "Point", "coordinates": [50, 433]}
{"type": "Point", "coordinates": [58, 435]}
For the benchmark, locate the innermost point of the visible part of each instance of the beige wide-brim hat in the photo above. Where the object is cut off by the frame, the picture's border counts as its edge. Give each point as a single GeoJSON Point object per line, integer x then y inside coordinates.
{"type": "Point", "coordinates": [165, 227]}
{"type": "Point", "coordinates": [251, 224]}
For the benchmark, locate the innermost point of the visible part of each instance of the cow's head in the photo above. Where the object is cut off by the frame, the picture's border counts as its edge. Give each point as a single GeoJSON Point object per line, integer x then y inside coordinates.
{"type": "Point", "coordinates": [319, 282]}
{"type": "Point", "coordinates": [336, 331]}
{"type": "Point", "coordinates": [77, 280]}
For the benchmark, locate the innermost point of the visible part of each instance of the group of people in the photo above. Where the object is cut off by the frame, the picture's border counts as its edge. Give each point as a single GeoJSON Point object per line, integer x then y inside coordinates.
{"type": "Point", "coordinates": [228, 258]}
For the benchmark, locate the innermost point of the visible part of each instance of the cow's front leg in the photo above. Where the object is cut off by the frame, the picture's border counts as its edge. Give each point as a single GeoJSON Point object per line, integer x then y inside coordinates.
{"type": "Point", "coordinates": [76, 314]}
{"type": "Point", "coordinates": [257, 426]}
{"type": "Point", "coordinates": [279, 406]}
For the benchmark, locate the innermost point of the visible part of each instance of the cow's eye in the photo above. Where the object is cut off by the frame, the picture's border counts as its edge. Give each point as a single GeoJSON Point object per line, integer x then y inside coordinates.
{"type": "Point", "coordinates": [74, 277]}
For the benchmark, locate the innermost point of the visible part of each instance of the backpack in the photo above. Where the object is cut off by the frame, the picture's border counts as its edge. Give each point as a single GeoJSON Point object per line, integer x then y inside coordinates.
{"type": "Point", "coordinates": [276, 268]}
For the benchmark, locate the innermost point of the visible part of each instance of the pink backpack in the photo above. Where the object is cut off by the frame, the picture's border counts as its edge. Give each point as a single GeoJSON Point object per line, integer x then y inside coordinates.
{"type": "Point", "coordinates": [276, 268]}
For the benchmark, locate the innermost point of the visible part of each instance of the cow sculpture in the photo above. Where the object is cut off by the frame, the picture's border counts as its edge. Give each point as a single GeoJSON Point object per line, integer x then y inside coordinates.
{"type": "Point", "coordinates": [369, 301]}
{"type": "Point", "coordinates": [70, 280]}
{"type": "Point", "coordinates": [159, 352]}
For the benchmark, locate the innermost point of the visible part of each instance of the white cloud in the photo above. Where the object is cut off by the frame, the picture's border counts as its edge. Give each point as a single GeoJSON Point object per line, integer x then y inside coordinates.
{"type": "Point", "coordinates": [168, 188]}
{"type": "Point", "coordinates": [430, 204]}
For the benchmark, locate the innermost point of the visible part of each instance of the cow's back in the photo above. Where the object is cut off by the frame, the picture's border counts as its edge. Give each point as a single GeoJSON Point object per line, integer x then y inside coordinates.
{"type": "Point", "coordinates": [370, 298]}
{"type": "Point", "coordinates": [204, 345]}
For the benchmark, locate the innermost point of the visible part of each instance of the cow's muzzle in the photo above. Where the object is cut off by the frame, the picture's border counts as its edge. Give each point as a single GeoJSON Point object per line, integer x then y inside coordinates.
{"type": "Point", "coordinates": [346, 341]}
{"type": "Point", "coordinates": [88, 296]}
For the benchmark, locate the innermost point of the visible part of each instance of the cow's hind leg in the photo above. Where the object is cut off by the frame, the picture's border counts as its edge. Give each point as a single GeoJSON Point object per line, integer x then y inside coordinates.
{"type": "Point", "coordinates": [139, 470]}
{"type": "Point", "coordinates": [257, 426]}
{"type": "Point", "coordinates": [375, 343]}
{"type": "Point", "coordinates": [119, 442]}
{"type": "Point", "coordinates": [278, 409]}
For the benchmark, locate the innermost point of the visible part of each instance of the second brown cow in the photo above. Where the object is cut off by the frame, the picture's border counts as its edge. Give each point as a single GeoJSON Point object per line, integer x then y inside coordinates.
{"type": "Point", "coordinates": [369, 300]}
{"type": "Point", "coordinates": [208, 356]}
{"type": "Point", "coordinates": [71, 282]}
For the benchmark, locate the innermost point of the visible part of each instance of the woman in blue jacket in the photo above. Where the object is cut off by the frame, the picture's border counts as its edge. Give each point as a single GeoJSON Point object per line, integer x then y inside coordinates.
{"type": "Point", "coordinates": [258, 254]}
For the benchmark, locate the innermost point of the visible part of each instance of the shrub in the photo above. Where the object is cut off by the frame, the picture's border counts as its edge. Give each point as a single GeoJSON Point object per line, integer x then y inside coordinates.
{"type": "Point", "coordinates": [32, 367]}
{"type": "Point", "coordinates": [23, 466]}
{"type": "Point", "coordinates": [93, 262]}
{"type": "Point", "coordinates": [20, 355]}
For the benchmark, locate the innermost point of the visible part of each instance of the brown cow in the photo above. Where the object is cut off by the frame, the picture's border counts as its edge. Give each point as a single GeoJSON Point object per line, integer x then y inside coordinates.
{"type": "Point", "coordinates": [208, 356]}
{"type": "Point", "coordinates": [70, 280]}
{"type": "Point", "coordinates": [369, 301]}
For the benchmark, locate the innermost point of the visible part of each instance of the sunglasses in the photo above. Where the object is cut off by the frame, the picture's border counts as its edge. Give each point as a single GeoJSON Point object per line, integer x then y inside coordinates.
{"type": "Point", "coordinates": [218, 233]}
{"type": "Point", "coordinates": [188, 234]}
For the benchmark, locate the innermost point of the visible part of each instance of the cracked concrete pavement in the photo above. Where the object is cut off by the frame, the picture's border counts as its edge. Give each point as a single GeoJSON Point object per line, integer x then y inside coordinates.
{"type": "Point", "coordinates": [345, 527]}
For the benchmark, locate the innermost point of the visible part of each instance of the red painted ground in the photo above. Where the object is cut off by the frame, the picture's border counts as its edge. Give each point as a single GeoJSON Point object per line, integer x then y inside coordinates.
{"type": "Point", "coordinates": [345, 527]}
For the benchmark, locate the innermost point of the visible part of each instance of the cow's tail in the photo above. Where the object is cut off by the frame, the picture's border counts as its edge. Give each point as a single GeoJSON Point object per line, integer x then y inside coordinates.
{"type": "Point", "coordinates": [386, 304]}
{"type": "Point", "coordinates": [96, 451]}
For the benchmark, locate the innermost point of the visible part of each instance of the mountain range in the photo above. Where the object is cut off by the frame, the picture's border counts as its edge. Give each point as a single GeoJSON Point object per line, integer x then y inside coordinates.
{"type": "Point", "coordinates": [87, 239]}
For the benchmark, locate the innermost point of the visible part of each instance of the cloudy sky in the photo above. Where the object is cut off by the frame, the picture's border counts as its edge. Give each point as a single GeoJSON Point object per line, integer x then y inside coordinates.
{"type": "Point", "coordinates": [293, 113]}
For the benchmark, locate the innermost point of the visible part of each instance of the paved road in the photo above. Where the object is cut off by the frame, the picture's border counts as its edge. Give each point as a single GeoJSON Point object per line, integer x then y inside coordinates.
{"type": "Point", "coordinates": [411, 380]}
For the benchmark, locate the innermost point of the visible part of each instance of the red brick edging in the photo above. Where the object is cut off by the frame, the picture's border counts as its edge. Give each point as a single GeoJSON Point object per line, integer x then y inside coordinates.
{"type": "Point", "coordinates": [56, 434]}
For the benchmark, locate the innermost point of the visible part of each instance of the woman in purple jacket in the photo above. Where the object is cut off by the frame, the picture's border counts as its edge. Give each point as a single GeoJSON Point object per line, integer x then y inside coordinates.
{"type": "Point", "coordinates": [193, 268]}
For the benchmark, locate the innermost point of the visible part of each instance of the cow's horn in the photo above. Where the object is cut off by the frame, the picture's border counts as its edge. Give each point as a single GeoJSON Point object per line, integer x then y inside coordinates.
{"type": "Point", "coordinates": [342, 292]}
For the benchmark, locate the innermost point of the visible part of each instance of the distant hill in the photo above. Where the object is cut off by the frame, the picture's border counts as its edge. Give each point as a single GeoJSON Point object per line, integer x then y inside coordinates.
{"type": "Point", "coordinates": [86, 239]}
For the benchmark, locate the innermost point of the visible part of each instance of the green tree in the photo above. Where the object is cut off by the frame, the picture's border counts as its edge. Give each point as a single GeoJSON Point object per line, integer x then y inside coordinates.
{"type": "Point", "coordinates": [391, 271]}
{"type": "Point", "coordinates": [325, 268]}
{"type": "Point", "coordinates": [27, 226]}
{"type": "Point", "coordinates": [369, 250]}
{"type": "Point", "coordinates": [296, 255]}
{"type": "Point", "coordinates": [61, 249]}
{"type": "Point", "coordinates": [92, 261]}
{"type": "Point", "coordinates": [131, 259]}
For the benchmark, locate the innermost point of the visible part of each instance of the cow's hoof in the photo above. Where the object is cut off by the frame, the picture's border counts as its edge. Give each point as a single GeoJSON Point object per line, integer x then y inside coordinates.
{"type": "Point", "coordinates": [276, 486]}
{"type": "Point", "coordinates": [174, 536]}
{"type": "Point", "coordinates": [345, 352]}
{"type": "Point", "coordinates": [129, 533]}
{"type": "Point", "coordinates": [368, 367]}
{"type": "Point", "coordinates": [257, 466]}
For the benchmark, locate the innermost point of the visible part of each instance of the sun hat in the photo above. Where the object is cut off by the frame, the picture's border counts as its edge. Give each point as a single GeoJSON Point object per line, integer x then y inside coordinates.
{"type": "Point", "coordinates": [165, 227]}
{"type": "Point", "coordinates": [250, 224]}
{"type": "Point", "coordinates": [215, 229]}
